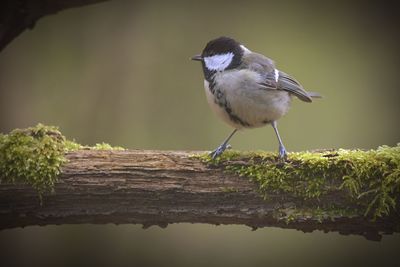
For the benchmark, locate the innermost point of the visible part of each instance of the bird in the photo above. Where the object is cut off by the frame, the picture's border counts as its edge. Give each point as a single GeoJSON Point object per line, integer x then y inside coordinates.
{"type": "Point", "coordinates": [245, 89]}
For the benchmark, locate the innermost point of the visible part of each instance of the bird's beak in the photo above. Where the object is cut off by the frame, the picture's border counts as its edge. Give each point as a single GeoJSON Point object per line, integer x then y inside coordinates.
{"type": "Point", "coordinates": [197, 57]}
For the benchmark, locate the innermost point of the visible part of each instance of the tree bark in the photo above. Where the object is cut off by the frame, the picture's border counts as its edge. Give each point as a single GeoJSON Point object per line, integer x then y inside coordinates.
{"type": "Point", "coordinates": [18, 15]}
{"type": "Point", "coordinates": [162, 187]}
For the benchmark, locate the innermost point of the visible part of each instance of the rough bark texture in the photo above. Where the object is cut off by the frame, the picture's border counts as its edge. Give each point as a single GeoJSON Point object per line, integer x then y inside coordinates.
{"type": "Point", "coordinates": [18, 15]}
{"type": "Point", "coordinates": [158, 188]}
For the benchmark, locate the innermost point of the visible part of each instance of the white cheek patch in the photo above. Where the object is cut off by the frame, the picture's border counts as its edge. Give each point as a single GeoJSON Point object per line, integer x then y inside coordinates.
{"type": "Point", "coordinates": [218, 62]}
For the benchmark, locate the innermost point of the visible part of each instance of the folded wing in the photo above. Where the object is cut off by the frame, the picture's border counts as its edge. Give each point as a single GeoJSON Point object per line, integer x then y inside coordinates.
{"type": "Point", "coordinates": [274, 79]}
{"type": "Point", "coordinates": [289, 84]}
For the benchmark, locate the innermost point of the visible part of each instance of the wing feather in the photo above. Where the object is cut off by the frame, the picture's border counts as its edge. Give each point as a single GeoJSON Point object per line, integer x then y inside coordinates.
{"type": "Point", "coordinates": [274, 79]}
{"type": "Point", "coordinates": [289, 84]}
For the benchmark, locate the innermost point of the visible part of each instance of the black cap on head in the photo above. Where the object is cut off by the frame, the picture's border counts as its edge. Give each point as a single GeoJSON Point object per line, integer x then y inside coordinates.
{"type": "Point", "coordinates": [220, 54]}
{"type": "Point", "coordinates": [222, 45]}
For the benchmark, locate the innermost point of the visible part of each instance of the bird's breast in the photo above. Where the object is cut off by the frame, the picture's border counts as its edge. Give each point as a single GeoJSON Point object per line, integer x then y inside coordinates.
{"type": "Point", "coordinates": [239, 101]}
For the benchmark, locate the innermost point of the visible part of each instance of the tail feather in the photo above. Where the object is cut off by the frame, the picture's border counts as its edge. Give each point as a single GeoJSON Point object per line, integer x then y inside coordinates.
{"type": "Point", "coordinates": [314, 94]}
{"type": "Point", "coordinates": [291, 85]}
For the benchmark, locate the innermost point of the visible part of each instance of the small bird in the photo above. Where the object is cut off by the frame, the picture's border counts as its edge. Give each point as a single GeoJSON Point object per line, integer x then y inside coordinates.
{"type": "Point", "coordinates": [245, 89]}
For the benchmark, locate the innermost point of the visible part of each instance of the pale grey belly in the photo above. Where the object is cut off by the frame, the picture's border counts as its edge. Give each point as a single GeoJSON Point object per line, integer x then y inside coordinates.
{"type": "Point", "coordinates": [254, 108]}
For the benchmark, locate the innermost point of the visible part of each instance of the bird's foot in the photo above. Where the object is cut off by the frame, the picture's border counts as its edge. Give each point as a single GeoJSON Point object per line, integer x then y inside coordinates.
{"type": "Point", "coordinates": [282, 153]}
{"type": "Point", "coordinates": [219, 150]}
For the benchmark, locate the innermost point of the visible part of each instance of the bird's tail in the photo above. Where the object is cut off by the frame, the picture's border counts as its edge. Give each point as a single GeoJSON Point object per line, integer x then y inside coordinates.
{"type": "Point", "coordinates": [314, 94]}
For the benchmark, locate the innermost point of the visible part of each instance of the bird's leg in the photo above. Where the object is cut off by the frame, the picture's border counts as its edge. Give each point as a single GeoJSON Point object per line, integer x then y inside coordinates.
{"type": "Point", "coordinates": [282, 149]}
{"type": "Point", "coordinates": [219, 150]}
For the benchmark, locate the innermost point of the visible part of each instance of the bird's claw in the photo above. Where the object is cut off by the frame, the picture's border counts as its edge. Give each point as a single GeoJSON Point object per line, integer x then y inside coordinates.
{"type": "Point", "coordinates": [219, 150]}
{"type": "Point", "coordinates": [282, 153]}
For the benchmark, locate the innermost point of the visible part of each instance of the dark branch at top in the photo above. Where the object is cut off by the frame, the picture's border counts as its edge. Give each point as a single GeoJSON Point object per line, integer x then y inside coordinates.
{"type": "Point", "coordinates": [18, 15]}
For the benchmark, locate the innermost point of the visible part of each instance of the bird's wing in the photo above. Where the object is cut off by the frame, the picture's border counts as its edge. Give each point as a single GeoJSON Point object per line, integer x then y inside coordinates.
{"type": "Point", "coordinates": [263, 66]}
{"type": "Point", "coordinates": [273, 79]}
{"type": "Point", "coordinates": [289, 84]}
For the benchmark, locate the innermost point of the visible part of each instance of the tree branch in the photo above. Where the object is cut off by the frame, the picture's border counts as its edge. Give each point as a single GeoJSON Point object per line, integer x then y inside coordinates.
{"type": "Point", "coordinates": [18, 15]}
{"type": "Point", "coordinates": [162, 187]}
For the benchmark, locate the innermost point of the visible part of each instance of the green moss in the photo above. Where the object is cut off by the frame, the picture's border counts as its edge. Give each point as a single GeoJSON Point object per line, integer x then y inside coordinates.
{"type": "Point", "coordinates": [230, 189]}
{"type": "Point", "coordinates": [35, 155]}
{"type": "Point", "coordinates": [72, 146]}
{"type": "Point", "coordinates": [32, 156]}
{"type": "Point", "coordinates": [105, 146]}
{"type": "Point", "coordinates": [370, 179]}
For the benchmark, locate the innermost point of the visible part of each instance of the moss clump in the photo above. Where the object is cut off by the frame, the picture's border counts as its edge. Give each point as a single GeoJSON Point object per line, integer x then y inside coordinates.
{"type": "Point", "coordinates": [105, 146]}
{"type": "Point", "coordinates": [32, 156]}
{"type": "Point", "coordinates": [370, 179]}
{"type": "Point", "coordinates": [73, 146]}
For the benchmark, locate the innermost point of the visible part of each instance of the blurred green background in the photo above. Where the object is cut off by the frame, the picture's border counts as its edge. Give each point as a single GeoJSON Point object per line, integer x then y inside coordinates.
{"type": "Point", "coordinates": [119, 72]}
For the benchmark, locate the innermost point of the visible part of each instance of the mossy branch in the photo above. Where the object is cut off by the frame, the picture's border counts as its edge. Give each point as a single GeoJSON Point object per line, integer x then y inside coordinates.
{"type": "Point", "coordinates": [350, 191]}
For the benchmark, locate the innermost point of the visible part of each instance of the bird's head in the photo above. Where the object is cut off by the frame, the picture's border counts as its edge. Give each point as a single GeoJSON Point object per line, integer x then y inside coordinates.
{"type": "Point", "coordinates": [221, 54]}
